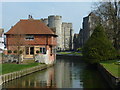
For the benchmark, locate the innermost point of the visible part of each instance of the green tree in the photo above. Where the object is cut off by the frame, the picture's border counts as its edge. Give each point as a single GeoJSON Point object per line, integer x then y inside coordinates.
{"type": "Point", "coordinates": [98, 47]}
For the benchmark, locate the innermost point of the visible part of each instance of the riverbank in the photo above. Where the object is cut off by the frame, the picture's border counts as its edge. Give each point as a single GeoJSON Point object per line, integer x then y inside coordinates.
{"type": "Point", "coordinates": [67, 56]}
{"type": "Point", "coordinates": [112, 66]}
{"type": "Point", "coordinates": [110, 71]}
{"type": "Point", "coordinates": [70, 53]}
{"type": "Point", "coordinates": [23, 72]}
{"type": "Point", "coordinates": [12, 67]}
{"type": "Point", "coordinates": [113, 81]}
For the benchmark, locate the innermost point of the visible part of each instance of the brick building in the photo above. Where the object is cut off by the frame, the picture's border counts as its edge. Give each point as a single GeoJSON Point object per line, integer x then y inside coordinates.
{"type": "Point", "coordinates": [32, 35]}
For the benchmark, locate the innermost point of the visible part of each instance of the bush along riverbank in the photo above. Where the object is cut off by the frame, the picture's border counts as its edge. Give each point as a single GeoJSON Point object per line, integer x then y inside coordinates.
{"type": "Point", "coordinates": [98, 50]}
{"type": "Point", "coordinates": [18, 71]}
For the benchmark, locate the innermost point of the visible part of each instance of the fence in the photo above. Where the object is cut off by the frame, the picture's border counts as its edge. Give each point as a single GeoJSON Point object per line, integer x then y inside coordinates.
{"type": "Point", "coordinates": [18, 74]}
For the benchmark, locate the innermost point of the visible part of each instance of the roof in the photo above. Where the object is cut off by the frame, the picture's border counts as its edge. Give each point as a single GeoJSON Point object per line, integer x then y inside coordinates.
{"type": "Point", "coordinates": [30, 26]}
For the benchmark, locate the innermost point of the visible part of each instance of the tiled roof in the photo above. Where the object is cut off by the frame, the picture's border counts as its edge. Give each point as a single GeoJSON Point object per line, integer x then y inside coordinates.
{"type": "Point", "coordinates": [30, 26]}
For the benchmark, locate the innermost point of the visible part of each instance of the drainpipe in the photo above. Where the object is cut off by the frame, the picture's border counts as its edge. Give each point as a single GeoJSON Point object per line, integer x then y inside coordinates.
{"type": "Point", "coordinates": [46, 44]}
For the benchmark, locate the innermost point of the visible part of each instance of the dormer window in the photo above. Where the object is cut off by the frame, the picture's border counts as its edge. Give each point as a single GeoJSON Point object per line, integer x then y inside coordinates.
{"type": "Point", "coordinates": [29, 37]}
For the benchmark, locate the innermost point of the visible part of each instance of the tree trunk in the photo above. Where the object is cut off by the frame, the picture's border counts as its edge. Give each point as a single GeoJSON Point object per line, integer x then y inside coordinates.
{"type": "Point", "coordinates": [18, 55]}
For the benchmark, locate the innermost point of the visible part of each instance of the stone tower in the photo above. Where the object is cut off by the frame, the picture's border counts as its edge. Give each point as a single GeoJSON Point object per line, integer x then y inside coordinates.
{"type": "Point", "coordinates": [62, 29]}
{"type": "Point", "coordinates": [56, 23]}
{"type": "Point", "coordinates": [45, 21]}
{"type": "Point", "coordinates": [67, 36]}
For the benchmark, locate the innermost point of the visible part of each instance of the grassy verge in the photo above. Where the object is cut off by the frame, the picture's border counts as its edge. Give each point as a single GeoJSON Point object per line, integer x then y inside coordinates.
{"type": "Point", "coordinates": [8, 68]}
{"type": "Point", "coordinates": [112, 67]}
{"type": "Point", "coordinates": [73, 53]}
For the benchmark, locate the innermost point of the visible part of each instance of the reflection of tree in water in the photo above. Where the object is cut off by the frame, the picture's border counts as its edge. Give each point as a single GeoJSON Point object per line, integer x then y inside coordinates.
{"type": "Point", "coordinates": [93, 79]}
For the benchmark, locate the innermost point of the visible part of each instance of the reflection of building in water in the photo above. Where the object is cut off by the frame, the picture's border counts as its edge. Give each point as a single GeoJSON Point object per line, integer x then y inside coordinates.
{"type": "Point", "coordinates": [45, 79]}
{"type": "Point", "coordinates": [40, 79]}
{"type": "Point", "coordinates": [62, 76]}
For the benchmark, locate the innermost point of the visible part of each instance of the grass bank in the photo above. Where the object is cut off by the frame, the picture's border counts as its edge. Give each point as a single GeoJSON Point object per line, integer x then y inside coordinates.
{"type": "Point", "coordinates": [73, 53]}
{"type": "Point", "coordinates": [8, 68]}
{"type": "Point", "coordinates": [112, 66]}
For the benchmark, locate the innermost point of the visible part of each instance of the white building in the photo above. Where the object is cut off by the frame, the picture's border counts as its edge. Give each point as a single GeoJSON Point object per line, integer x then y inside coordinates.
{"type": "Point", "coordinates": [1, 39]}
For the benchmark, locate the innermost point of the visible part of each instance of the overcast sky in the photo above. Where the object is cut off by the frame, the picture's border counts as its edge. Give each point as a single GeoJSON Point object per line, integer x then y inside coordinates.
{"type": "Point", "coordinates": [72, 12]}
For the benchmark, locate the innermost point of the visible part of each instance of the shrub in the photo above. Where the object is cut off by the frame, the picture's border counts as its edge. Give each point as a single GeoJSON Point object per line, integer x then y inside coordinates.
{"type": "Point", "coordinates": [9, 51]}
{"type": "Point", "coordinates": [20, 52]}
{"type": "Point", "coordinates": [79, 49]}
{"type": "Point", "coordinates": [98, 47]}
{"type": "Point", "coordinates": [15, 51]}
{"type": "Point", "coordinates": [37, 51]}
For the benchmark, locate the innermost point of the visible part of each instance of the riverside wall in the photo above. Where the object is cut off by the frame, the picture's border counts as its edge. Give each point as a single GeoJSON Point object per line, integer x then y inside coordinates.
{"type": "Point", "coordinates": [113, 81]}
{"type": "Point", "coordinates": [68, 56]}
{"type": "Point", "coordinates": [14, 75]}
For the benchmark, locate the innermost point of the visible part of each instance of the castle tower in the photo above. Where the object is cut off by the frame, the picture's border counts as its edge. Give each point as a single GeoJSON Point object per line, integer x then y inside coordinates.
{"type": "Point", "coordinates": [45, 21]}
{"type": "Point", "coordinates": [67, 36]}
{"type": "Point", "coordinates": [56, 23]}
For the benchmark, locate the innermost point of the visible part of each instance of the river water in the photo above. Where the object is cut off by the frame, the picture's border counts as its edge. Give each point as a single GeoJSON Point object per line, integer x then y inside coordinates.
{"type": "Point", "coordinates": [66, 73]}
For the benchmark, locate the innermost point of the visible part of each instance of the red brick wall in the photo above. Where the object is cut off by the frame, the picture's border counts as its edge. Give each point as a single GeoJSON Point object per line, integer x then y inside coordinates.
{"type": "Point", "coordinates": [14, 41]}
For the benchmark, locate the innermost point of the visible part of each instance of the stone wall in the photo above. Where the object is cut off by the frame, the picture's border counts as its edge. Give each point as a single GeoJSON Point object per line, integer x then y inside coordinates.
{"type": "Point", "coordinates": [113, 81]}
{"type": "Point", "coordinates": [89, 24]}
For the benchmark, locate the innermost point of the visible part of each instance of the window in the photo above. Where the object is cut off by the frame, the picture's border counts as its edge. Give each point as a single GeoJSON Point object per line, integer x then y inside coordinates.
{"type": "Point", "coordinates": [27, 50]}
{"type": "Point", "coordinates": [43, 50]}
{"type": "Point", "coordinates": [29, 37]}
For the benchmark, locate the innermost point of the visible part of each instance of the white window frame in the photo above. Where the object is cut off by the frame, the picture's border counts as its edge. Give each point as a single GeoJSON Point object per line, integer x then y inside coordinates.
{"type": "Point", "coordinates": [43, 48]}
{"type": "Point", "coordinates": [29, 37]}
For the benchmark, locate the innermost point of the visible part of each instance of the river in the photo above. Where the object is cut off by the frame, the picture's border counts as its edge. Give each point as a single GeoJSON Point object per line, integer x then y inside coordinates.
{"type": "Point", "coordinates": [66, 73]}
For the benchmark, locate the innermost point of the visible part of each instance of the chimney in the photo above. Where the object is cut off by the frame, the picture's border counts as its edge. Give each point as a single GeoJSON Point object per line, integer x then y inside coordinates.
{"type": "Point", "coordinates": [11, 26]}
{"type": "Point", "coordinates": [30, 17]}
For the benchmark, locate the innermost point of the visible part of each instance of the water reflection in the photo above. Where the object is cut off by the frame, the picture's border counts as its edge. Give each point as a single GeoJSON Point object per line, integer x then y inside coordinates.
{"type": "Point", "coordinates": [67, 73]}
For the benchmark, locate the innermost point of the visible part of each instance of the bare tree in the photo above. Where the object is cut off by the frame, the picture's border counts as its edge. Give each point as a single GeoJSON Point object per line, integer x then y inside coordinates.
{"type": "Point", "coordinates": [19, 43]}
{"type": "Point", "coordinates": [109, 13]}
